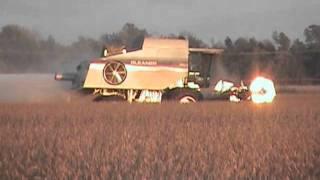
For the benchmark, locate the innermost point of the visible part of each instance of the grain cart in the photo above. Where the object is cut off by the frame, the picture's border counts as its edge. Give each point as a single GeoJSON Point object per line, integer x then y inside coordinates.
{"type": "Point", "coordinates": [164, 69]}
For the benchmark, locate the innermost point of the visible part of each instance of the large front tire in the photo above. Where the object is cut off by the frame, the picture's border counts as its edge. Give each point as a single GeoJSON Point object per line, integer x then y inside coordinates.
{"type": "Point", "coordinates": [185, 96]}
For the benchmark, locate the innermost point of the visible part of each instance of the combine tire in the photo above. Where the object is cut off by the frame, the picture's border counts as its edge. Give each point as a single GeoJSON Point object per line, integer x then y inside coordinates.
{"type": "Point", "coordinates": [185, 96]}
{"type": "Point", "coordinates": [108, 99]}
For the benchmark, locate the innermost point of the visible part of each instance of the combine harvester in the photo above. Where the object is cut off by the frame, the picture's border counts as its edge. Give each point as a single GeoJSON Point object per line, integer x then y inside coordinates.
{"type": "Point", "coordinates": [164, 69]}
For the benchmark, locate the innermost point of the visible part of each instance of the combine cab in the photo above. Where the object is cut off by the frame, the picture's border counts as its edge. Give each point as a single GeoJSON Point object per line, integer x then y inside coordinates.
{"type": "Point", "coordinates": [164, 69]}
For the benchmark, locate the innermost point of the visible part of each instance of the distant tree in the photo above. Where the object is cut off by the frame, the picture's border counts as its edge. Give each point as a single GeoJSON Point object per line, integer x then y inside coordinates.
{"type": "Point", "coordinates": [312, 34]}
{"type": "Point", "coordinates": [228, 43]}
{"type": "Point", "coordinates": [243, 45]}
{"type": "Point", "coordinates": [298, 46]}
{"type": "Point", "coordinates": [15, 37]}
{"type": "Point", "coordinates": [50, 43]}
{"type": "Point", "coordinates": [194, 41]}
{"type": "Point", "coordinates": [282, 40]}
{"type": "Point", "coordinates": [21, 47]}
{"type": "Point", "coordinates": [130, 35]}
{"type": "Point", "coordinates": [87, 44]}
{"type": "Point", "coordinates": [112, 39]}
{"type": "Point", "coordinates": [267, 45]}
{"type": "Point", "coordinates": [253, 43]}
{"type": "Point", "coordinates": [297, 66]}
{"type": "Point", "coordinates": [23, 50]}
{"type": "Point", "coordinates": [312, 56]}
{"type": "Point", "coordinates": [217, 44]}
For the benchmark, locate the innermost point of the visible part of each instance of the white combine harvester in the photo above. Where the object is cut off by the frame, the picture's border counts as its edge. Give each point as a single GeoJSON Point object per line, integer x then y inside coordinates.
{"type": "Point", "coordinates": [164, 69]}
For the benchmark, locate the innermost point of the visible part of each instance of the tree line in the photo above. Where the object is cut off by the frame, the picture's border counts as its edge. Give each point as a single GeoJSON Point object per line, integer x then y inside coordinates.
{"type": "Point", "coordinates": [23, 50]}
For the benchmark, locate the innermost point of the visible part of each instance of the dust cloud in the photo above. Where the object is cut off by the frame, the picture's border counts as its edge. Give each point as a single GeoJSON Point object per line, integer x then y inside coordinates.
{"type": "Point", "coordinates": [33, 88]}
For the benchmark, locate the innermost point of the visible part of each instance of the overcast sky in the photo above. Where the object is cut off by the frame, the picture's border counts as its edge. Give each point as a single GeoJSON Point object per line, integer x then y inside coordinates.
{"type": "Point", "coordinates": [67, 19]}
